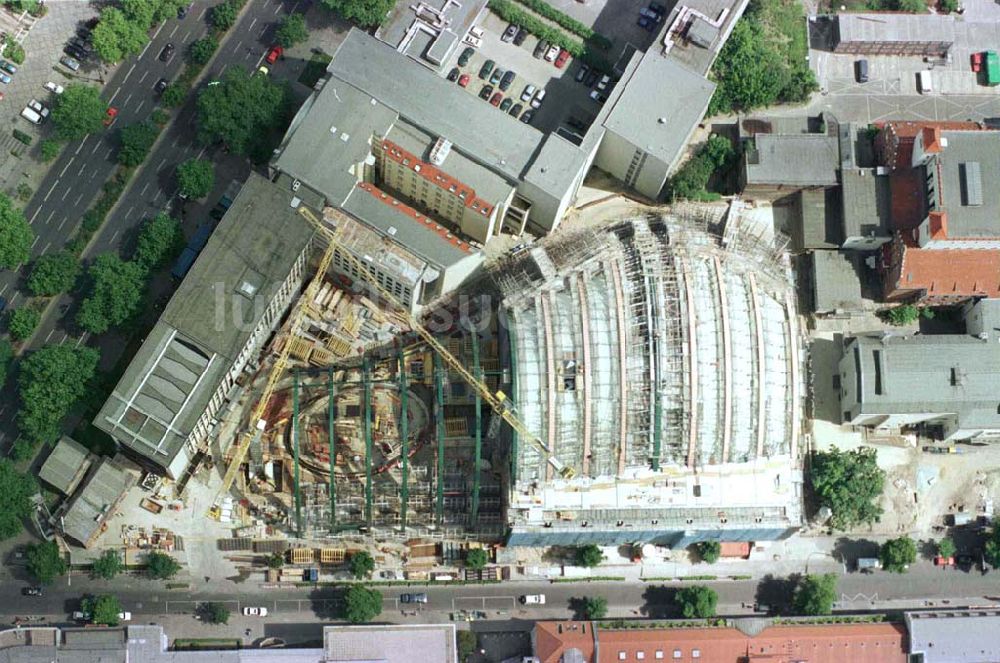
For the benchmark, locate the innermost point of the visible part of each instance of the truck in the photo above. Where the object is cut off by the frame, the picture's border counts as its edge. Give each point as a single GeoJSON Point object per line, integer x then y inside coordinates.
{"type": "Point", "coordinates": [992, 67]}
{"type": "Point", "coordinates": [924, 85]}
{"type": "Point", "coordinates": [869, 564]}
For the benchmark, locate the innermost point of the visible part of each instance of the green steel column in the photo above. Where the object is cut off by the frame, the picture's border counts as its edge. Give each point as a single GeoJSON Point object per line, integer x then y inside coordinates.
{"type": "Point", "coordinates": [367, 410]}
{"type": "Point", "coordinates": [404, 440]}
{"type": "Point", "coordinates": [479, 428]}
{"type": "Point", "coordinates": [296, 432]}
{"type": "Point", "coordinates": [439, 390]}
{"type": "Point", "coordinates": [512, 395]}
{"type": "Point", "coordinates": [332, 435]}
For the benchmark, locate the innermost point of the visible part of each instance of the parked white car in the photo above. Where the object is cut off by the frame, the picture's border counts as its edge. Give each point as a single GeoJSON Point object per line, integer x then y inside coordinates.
{"type": "Point", "coordinates": [54, 87]}
{"type": "Point", "coordinates": [552, 54]}
{"type": "Point", "coordinates": [533, 599]}
{"type": "Point", "coordinates": [255, 611]}
{"type": "Point", "coordinates": [125, 616]}
{"type": "Point", "coordinates": [473, 41]}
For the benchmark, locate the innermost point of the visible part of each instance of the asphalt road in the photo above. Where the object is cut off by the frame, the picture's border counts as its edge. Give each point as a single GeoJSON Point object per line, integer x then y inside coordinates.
{"type": "Point", "coordinates": [76, 178]}
{"type": "Point", "coordinates": [858, 592]}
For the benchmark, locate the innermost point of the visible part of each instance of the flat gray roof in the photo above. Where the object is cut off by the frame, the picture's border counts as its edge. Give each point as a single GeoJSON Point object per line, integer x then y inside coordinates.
{"type": "Point", "coordinates": [837, 281]}
{"type": "Point", "coordinates": [661, 104]}
{"type": "Point", "coordinates": [866, 203]}
{"type": "Point", "coordinates": [436, 43]}
{"type": "Point", "coordinates": [955, 636]}
{"type": "Point", "coordinates": [390, 643]}
{"type": "Point", "coordinates": [969, 164]}
{"type": "Point", "coordinates": [949, 373]}
{"type": "Point", "coordinates": [821, 226]}
{"type": "Point", "coordinates": [907, 28]}
{"type": "Point", "coordinates": [799, 159]}
{"type": "Point", "coordinates": [172, 377]}
{"type": "Point", "coordinates": [95, 501]}
{"type": "Point", "coordinates": [65, 466]}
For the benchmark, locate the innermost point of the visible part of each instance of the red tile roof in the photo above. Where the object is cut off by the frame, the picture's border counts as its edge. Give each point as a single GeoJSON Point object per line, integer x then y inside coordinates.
{"type": "Point", "coordinates": [896, 138]}
{"type": "Point", "coordinates": [932, 139]}
{"type": "Point", "coordinates": [437, 177]}
{"type": "Point", "coordinates": [739, 549]}
{"type": "Point", "coordinates": [951, 272]}
{"type": "Point", "coordinates": [908, 199]}
{"type": "Point", "coordinates": [833, 643]}
{"type": "Point", "coordinates": [424, 220]}
{"type": "Point", "coordinates": [939, 225]}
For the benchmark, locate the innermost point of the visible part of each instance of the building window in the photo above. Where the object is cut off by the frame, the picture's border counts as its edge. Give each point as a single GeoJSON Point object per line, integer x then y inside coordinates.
{"type": "Point", "coordinates": [695, 653]}
{"type": "Point", "coordinates": [658, 655]}
{"type": "Point", "coordinates": [677, 653]}
{"type": "Point", "coordinates": [621, 656]}
{"type": "Point", "coordinates": [640, 655]}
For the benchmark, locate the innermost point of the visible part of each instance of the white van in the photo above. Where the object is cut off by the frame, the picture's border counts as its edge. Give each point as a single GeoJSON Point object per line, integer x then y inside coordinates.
{"type": "Point", "coordinates": [31, 116]}
{"type": "Point", "coordinates": [924, 82]}
{"type": "Point", "coordinates": [533, 599]}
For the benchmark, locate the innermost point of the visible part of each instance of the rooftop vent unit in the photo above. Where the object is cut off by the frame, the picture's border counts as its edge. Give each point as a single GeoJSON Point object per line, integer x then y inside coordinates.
{"type": "Point", "coordinates": [440, 150]}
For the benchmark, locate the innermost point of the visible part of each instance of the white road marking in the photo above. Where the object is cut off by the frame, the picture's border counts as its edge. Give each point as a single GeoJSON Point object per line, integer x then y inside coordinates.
{"type": "Point", "coordinates": [83, 339]}
{"type": "Point", "coordinates": [202, 13]}
{"type": "Point", "coordinates": [61, 224]}
{"type": "Point", "coordinates": [82, 143]}
{"type": "Point", "coordinates": [253, 23]}
{"type": "Point", "coordinates": [78, 199]}
{"type": "Point", "coordinates": [278, 8]}
{"type": "Point", "coordinates": [139, 107]}
{"type": "Point", "coordinates": [160, 167]}
{"type": "Point", "coordinates": [262, 33]}
{"type": "Point", "coordinates": [68, 164]}
{"type": "Point", "coordinates": [46, 249]}
{"type": "Point", "coordinates": [49, 218]}
{"type": "Point", "coordinates": [203, 150]}
{"type": "Point", "coordinates": [131, 69]}
{"type": "Point", "coordinates": [129, 212]}
{"type": "Point", "coordinates": [112, 99]}
{"type": "Point", "coordinates": [143, 192]}
{"type": "Point", "coordinates": [65, 194]}
{"type": "Point", "coordinates": [186, 35]}
{"type": "Point", "coordinates": [148, 44]}
{"type": "Point", "coordinates": [174, 31]}
{"type": "Point", "coordinates": [146, 73]}
{"type": "Point", "coordinates": [32, 219]}
{"type": "Point", "coordinates": [115, 235]}
{"type": "Point", "coordinates": [54, 185]}
{"type": "Point", "coordinates": [157, 33]}
{"type": "Point", "coordinates": [65, 336]}
{"type": "Point", "coordinates": [35, 242]}
{"type": "Point", "coordinates": [110, 151]}
{"type": "Point", "coordinates": [4, 289]}
{"type": "Point", "coordinates": [51, 332]}
{"type": "Point", "coordinates": [13, 299]}
{"type": "Point", "coordinates": [96, 147]}
{"type": "Point", "coordinates": [125, 103]}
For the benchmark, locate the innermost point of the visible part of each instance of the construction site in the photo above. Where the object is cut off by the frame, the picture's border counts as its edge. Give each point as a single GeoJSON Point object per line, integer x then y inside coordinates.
{"type": "Point", "coordinates": [639, 381]}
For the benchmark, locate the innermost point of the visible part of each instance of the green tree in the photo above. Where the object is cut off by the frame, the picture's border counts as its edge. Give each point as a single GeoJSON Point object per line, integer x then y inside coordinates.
{"type": "Point", "coordinates": [800, 85]}
{"type": "Point", "coordinates": [16, 235]}
{"type": "Point", "coordinates": [275, 560]}
{"type": "Point", "coordinates": [167, 9]}
{"type": "Point", "coordinates": [366, 13]}
{"type": "Point", "coordinates": [948, 6]}
{"type": "Point", "coordinates": [749, 71]}
{"type": "Point", "coordinates": [589, 556]}
{"type": "Point", "coordinates": [6, 357]}
{"type": "Point", "coordinates": [161, 566]}
{"type": "Point", "coordinates": [709, 551]}
{"type": "Point", "coordinates": [697, 601]}
{"type": "Point", "coordinates": [45, 561]}
{"type": "Point", "coordinates": [50, 149]}
{"type": "Point", "coordinates": [361, 604]}
{"type": "Point", "coordinates": [78, 111]}
{"type": "Point", "coordinates": [107, 566]}
{"type": "Point", "coordinates": [51, 381]}
{"type": "Point", "coordinates": [849, 483]}
{"type": "Point", "coordinates": [14, 52]}
{"type": "Point", "coordinates": [476, 558]}
{"type": "Point", "coordinates": [136, 141]}
{"type": "Point", "coordinates": [242, 111]}
{"type": "Point", "coordinates": [291, 31]}
{"type": "Point", "coordinates": [23, 322]}
{"type": "Point", "coordinates": [16, 491]}
{"type": "Point", "coordinates": [815, 594]}
{"type": "Point", "coordinates": [196, 178]}
{"type": "Point", "coordinates": [468, 642]}
{"type": "Point", "coordinates": [202, 50]}
{"type": "Point", "coordinates": [946, 548]}
{"type": "Point", "coordinates": [53, 273]}
{"type": "Point", "coordinates": [216, 613]}
{"type": "Point", "coordinates": [116, 289]}
{"type": "Point", "coordinates": [103, 609]}
{"type": "Point", "coordinates": [991, 550]}
{"type": "Point", "coordinates": [160, 240]}
{"type": "Point", "coordinates": [903, 315]}
{"type": "Point", "coordinates": [223, 16]}
{"type": "Point", "coordinates": [174, 95]}
{"type": "Point", "coordinates": [139, 12]}
{"type": "Point", "coordinates": [897, 554]}
{"type": "Point", "coordinates": [912, 6]}
{"type": "Point", "coordinates": [116, 37]}
{"type": "Point", "coordinates": [361, 565]}
{"type": "Point", "coordinates": [595, 607]}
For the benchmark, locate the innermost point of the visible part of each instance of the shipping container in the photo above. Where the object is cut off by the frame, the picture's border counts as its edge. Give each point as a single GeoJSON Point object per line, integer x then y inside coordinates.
{"type": "Point", "coordinates": [992, 68]}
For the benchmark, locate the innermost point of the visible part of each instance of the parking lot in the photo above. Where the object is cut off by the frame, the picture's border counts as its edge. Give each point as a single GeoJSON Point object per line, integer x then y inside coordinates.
{"type": "Point", "coordinates": [565, 99]}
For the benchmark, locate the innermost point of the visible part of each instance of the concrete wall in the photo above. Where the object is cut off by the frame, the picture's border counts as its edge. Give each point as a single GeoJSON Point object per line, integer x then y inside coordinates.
{"type": "Point", "coordinates": [671, 538]}
{"type": "Point", "coordinates": [615, 156]}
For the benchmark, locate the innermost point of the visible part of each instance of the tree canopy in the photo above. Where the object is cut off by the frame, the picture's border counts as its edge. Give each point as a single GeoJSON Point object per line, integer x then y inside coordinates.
{"type": "Point", "coordinates": [103, 609]}
{"type": "Point", "coordinates": [116, 37]}
{"type": "Point", "coordinates": [815, 594]}
{"type": "Point", "coordinates": [946, 548]}
{"type": "Point", "coordinates": [242, 111]}
{"type": "Point", "coordinates": [595, 607]}
{"type": "Point", "coordinates": [45, 561]}
{"type": "Point", "coordinates": [78, 111]}
{"type": "Point", "coordinates": [196, 178]}
{"type": "Point", "coordinates": [16, 235]}
{"type": "Point", "coordinates": [108, 565]}
{"type": "Point", "coordinates": [116, 289]}
{"type": "Point", "coordinates": [51, 381]}
{"type": "Point", "coordinates": [224, 15]}
{"type": "Point", "coordinates": [53, 273]}
{"type": "Point", "coordinates": [691, 179]}
{"type": "Point", "coordinates": [709, 551]}
{"type": "Point", "coordinates": [589, 556]}
{"type": "Point", "coordinates": [361, 604]}
{"type": "Point", "coordinates": [136, 141]}
{"type": "Point", "coordinates": [991, 549]}
{"type": "Point", "coordinates": [215, 612]}
{"type": "Point", "coordinates": [201, 51]}
{"type": "Point", "coordinates": [291, 30]}
{"type": "Point", "coordinates": [160, 240]}
{"type": "Point", "coordinates": [361, 564]}
{"type": "Point", "coordinates": [161, 566]}
{"type": "Point", "coordinates": [23, 322]}
{"type": "Point", "coordinates": [6, 356]}
{"type": "Point", "coordinates": [476, 558]}
{"type": "Point", "coordinates": [697, 601]}
{"type": "Point", "coordinates": [467, 642]}
{"type": "Point", "coordinates": [16, 491]}
{"type": "Point", "coordinates": [898, 554]}
{"type": "Point", "coordinates": [849, 483]}
{"type": "Point", "coordinates": [366, 13]}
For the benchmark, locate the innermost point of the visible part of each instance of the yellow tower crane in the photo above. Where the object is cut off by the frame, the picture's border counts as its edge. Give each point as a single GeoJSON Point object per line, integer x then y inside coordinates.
{"type": "Point", "coordinates": [498, 400]}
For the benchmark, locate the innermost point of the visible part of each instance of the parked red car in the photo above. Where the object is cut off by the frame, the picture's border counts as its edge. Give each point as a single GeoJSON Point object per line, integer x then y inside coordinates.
{"type": "Point", "coordinates": [496, 98]}
{"type": "Point", "coordinates": [273, 54]}
{"type": "Point", "coordinates": [562, 58]}
{"type": "Point", "coordinates": [944, 561]}
{"type": "Point", "coordinates": [977, 62]}
{"type": "Point", "coordinates": [463, 80]}
{"type": "Point", "coordinates": [110, 117]}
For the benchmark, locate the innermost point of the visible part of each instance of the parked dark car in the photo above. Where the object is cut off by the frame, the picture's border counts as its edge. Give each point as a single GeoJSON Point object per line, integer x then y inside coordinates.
{"type": "Point", "coordinates": [509, 33]}
{"type": "Point", "coordinates": [528, 114]}
{"type": "Point", "coordinates": [167, 52]}
{"type": "Point", "coordinates": [485, 70]}
{"type": "Point", "coordinates": [521, 35]}
{"type": "Point", "coordinates": [506, 104]}
{"type": "Point", "coordinates": [466, 55]}
{"type": "Point", "coordinates": [592, 77]}
{"type": "Point", "coordinates": [31, 591]}
{"type": "Point", "coordinates": [496, 76]}
{"type": "Point", "coordinates": [161, 85]}
{"type": "Point", "coordinates": [516, 109]}
{"type": "Point", "coordinates": [75, 52]}
{"type": "Point", "coordinates": [582, 73]}
{"type": "Point", "coordinates": [486, 92]}
{"type": "Point", "coordinates": [541, 48]}
{"type": "Point", "coordinates": [507, 79]}
{"type": "Point", "coordinates": [454, 74]}
{"type": "Point", "coordinates": [413, 598]}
